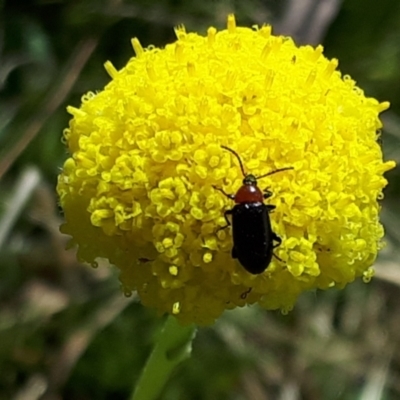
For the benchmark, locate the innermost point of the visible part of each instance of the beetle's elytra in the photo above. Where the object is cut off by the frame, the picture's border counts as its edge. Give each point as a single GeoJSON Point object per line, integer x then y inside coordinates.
{"type": "Point", "coordinates": [253, 238]}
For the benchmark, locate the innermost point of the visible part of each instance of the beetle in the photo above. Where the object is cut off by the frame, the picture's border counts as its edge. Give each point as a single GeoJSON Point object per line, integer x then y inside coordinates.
{"type": "Point", "coordinates": [254, 240]}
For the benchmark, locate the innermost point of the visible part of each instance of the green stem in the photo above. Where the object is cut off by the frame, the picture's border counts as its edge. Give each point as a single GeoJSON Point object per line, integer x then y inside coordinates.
{"type": "Point", "coordinates": [174, 344]}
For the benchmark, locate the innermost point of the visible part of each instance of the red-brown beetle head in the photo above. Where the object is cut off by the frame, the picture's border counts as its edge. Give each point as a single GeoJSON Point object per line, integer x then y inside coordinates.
{"type": "Point", "coordinates": [249, 192]}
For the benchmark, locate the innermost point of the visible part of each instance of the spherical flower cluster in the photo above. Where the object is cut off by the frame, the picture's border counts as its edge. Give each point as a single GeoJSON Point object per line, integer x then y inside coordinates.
{"type": "Point", "coordinates": [145, 155]}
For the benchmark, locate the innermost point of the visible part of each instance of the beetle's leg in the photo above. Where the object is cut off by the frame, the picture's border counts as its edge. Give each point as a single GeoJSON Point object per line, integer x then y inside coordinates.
{"type": "Point", "coordinates": [229, 196]}
{"type": "Point", "coordinates": [144, 260]}
{"type": "Point", "coordinates": [244, 294]}
{"type": "Point", "coordinates": [228, 223]}
{"type": "Point", "coordinates": [270, 208]}
{"type": "Point", "coordinates": [267, 193]}
{"type": "Point", "coordinates": [277, 239]}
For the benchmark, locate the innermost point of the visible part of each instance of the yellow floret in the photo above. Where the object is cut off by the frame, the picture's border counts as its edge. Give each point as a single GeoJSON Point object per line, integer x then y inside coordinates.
{"type": "Point", "coordinates": [146, 153]}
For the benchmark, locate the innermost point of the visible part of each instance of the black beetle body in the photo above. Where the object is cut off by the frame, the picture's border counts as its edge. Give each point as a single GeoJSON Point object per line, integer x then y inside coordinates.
{"type": "Point", "coordinates": [253, 238]}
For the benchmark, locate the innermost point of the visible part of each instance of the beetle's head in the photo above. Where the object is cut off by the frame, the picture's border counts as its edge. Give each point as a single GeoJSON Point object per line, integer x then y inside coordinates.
{"type": "Point", "coordinates": [250, 180]}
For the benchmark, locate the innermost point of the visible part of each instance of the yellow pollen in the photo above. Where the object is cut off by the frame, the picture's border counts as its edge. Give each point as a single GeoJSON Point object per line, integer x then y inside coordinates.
{"type": "Point", "coordinates": [76, 112]}
{"type": "Point", "coordinates": [265, 31]}
{"type": "Point", "coordinates": [266, 51]}
{"type": "Point", "coordinates": [311, 78]}
{"type": "Point", "coordinates": [269, 79]}
{"type": "Point", "coordinates": [191, 68]}
{"type": "Point", "coordinates": [383, 106]}
{"type": "Point", "coordinates": [207, 258]}
{"type": "Point", "coordinates": [317, 53]}
{"type": "Point", "coordinates": [179, 52]}
{"type": "Point", "coordinates": [231, 25]}
{"type": "Point", "coordinates": [277, 45]}
{"type": "Point", "coordinates": [176, 308]}
{"type": "Point", "coordinates": [368, 274]}
{"type": "Point", "coordinates": [137, 47]}
{"type": "Point", "coordinates": [151, 71]}
{"type": "Point", "coordinates": [180, 32]}
{"type": "Point", "coordinates": [111, 70]}
{"type": "Point", "coordinates": [332, 65]}
{"type": "Point", "coordinates": [211, 32]}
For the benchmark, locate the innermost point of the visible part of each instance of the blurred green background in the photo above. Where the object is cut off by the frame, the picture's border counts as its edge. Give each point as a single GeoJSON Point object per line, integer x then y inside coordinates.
{"type": "Point", "coordinates": [66, 332]}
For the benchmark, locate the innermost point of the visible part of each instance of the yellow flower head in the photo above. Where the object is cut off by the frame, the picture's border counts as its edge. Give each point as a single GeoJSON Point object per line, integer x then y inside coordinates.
{"type": "Point", "coordinates": [138, 188]}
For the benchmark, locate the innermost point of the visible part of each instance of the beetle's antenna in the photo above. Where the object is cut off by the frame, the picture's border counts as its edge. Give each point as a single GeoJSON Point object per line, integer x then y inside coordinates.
{"type": "Point", "coordinates": [237, 156]}
{"type": "Point", "coordinates": [274, 172]}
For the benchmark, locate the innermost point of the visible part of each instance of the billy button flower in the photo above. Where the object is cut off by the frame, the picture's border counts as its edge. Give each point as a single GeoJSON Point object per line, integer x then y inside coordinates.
{"type": "Point", "coordinates": [146, 152]}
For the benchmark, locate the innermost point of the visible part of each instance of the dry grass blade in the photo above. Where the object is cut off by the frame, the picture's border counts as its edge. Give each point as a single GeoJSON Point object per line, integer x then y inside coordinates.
{"type": "Point", "coordinates": [377, 379]}
{"type": "Point", "coordinates": [391, 123]}
{"type": "Point", "coordinates": [308, 20]}
{"type": "Point", "coordinates": [24, 188]}
{"type": "Point", "coordinates": [388, 271]}
{"type": "Point", "coordinates": [33, 389]}
{"type": "Point", "coordinates": [50, 104]}
{"type": "Point", "coordinates": [63, 363]}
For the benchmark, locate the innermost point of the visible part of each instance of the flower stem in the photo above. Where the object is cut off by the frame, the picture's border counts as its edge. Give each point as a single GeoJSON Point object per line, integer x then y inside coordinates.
{"type": "Point", "coordinates": [174, 344]}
